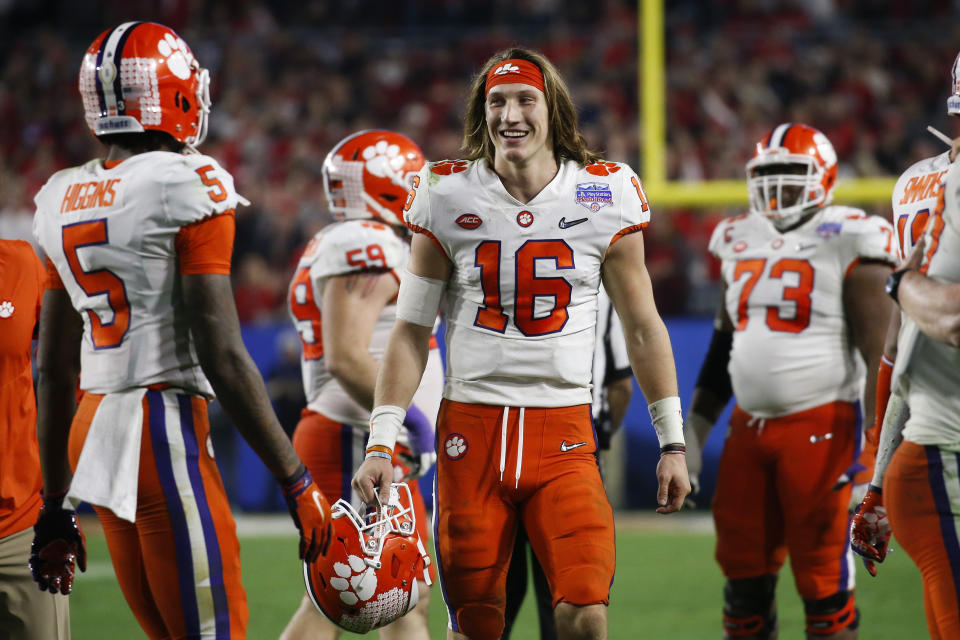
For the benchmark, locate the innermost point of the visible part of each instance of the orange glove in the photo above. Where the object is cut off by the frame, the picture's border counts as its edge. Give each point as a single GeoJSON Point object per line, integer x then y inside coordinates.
{"type": "Point", "coordinates": [310, 512]}
{"type": "Point", "coordinates": [870, 530]}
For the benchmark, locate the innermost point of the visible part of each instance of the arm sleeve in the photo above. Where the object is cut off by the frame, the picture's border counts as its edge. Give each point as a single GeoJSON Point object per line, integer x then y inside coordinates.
{"type": "Point", "coordinates": [206, 246]}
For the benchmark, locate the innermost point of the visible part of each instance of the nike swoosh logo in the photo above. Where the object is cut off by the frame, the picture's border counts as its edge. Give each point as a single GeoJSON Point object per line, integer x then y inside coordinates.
{"type": "Point", "coordinates": [566, 225]}
{"type": "Point", "coordinates": [804, 247]}
{"type": "Point", "coordinates": [567, 447]}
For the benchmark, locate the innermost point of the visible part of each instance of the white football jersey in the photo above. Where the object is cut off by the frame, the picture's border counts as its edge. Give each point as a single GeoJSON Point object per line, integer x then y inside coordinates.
{"type": "Point", "coordinates": [352, 246]}
{"type": "Point", "coordinates": [522, 296]}
{"type": "Point", "coordinates": [111, 235]}
{"type": "Point", "coordinates": [914, 199]}
{"type": "Point", "coordinates": [784, 294]}
{"type": "Point", "coordinates": [931, 369]}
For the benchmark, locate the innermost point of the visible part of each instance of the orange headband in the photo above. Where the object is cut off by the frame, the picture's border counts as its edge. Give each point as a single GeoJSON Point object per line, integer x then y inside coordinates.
{"type": "Point", "coordinates": [515, 70]}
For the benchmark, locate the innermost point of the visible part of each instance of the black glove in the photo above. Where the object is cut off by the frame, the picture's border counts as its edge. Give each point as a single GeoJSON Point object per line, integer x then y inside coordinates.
{"type": "Point", "coordinates": [58, 543]}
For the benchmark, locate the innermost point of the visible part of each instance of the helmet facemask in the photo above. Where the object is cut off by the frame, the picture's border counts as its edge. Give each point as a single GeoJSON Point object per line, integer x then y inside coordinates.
{"type": "Point", "coordinates": [785, 189]}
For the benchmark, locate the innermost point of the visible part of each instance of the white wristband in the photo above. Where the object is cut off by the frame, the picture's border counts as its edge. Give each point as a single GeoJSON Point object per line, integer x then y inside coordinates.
{"type": "Point", "coordinates": [385, 423]}
{"type": "Point", "coordinates": [418, 300]}
{"type": "Point", "coordinates": [667, 420]}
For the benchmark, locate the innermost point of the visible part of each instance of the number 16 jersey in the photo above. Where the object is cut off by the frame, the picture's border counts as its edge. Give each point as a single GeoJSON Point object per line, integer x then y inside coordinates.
{"type": "Point", "coordinates": [522, 294]}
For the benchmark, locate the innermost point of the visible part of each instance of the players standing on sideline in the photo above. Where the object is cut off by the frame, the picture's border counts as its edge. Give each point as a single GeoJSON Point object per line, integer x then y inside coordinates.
{"type": "Point", "coordinates": [612, 390]}
{"type": "Point", "coordinates": [25, 612]}
{"type": "Point", "coordinates": [517, 239]}
{"type": "Point", "coordinates": [916, 468]}
{"type": "Point", "coordinates": [343, 303]}
{"type": "Point", "coordinates": [140, 300]}
{"type": "Point", "coordinates": [802, 292]}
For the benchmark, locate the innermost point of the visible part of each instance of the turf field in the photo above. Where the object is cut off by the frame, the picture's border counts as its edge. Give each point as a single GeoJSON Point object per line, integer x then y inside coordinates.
{"type": "Point", "coordinates": [667, 587]}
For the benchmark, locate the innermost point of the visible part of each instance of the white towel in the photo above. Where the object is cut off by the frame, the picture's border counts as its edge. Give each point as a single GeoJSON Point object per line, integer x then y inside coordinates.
{"type": "Point", "coordinates": [109, 463]}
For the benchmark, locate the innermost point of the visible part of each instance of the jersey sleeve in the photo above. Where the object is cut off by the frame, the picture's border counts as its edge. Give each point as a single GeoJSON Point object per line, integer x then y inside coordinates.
{"type": "Point", "coordinates": [875, 240]}
{"type": "Point", "coordinates": [356, 247]}
{"type": "Point", "coordinates": [417, 213]}
{"type": "Point", "coordinates": [197, 187]}
{"type": "Point", "coordinates": [634, 207]}
{"type": "Point", "coordinates": [717, 239]}
{"type": "Point", "coordinates": [206, 246]}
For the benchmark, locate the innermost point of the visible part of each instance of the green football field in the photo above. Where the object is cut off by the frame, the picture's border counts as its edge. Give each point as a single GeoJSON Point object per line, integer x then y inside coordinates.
{"type": "Point", "coordinates": [667, 586]}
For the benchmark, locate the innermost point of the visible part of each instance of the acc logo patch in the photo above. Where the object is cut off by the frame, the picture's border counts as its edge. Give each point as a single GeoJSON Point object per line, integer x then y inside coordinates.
{"type": "Point", "coordinates": [455, 446]}
{"type": "Point", "coordinates": [469, 221]}
{"type": "Point", "coordinates": [594, 195]}
{"type": "Point", "coordinates": [740, 246]}
{"type": "Point", "coordinates": [524, 218]}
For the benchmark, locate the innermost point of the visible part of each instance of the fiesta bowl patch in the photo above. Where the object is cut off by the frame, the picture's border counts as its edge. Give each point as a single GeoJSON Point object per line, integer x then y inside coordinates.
{"type": "Point", "coordinates": [469, 221]}
{"type": "Point", "coordinates": [594, 195]}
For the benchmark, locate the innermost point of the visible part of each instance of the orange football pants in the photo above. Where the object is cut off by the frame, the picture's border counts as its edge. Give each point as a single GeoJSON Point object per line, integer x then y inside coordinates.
{"type": "Point", "coordinates": [922, 495]}
{"type": "Point", "coordinates": [537, 466]}
{"type": "Point", "coordinates": [178, 565]}
{"type": "Point", "coordinates": [775, 494]}
{"type": "Point", "coordinates": [332, 452]}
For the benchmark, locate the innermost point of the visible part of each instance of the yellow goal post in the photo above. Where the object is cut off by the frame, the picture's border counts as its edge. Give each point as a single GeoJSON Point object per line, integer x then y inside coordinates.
{"type": "Point", "coordinates": [708, 193]}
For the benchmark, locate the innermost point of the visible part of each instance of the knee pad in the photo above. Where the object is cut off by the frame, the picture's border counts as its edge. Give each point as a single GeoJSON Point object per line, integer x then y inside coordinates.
{"type": "Point", "coordinates": [831, 614]}
{"type": "Point", "coordinates": [748, 607]}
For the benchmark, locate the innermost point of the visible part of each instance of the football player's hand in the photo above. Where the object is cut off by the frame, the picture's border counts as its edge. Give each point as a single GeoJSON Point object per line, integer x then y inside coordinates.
{"type": "Point", "coordinates": [311, 513]}
{"type": "Point", "coordinates": [870, 530]}
{"type": "Point", "coordinates": [673, 482]}
{"type": "Point", "coordinates": [58, 545]}
{"type": "Point", "coordinates": [374, 476]}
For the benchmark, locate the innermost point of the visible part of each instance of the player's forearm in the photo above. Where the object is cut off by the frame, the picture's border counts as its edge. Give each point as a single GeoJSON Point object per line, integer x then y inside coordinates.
{"type": "Point", "coordinates": [934, 306]}
{"type": "Point", "coordinates": [651, 358]}
{"type": "Point", "coordinates": [232, 373]}
{"type": "Point", "coordinates": [403, 364]}
{"type": "Point", "coordinates": [58, 366]}
{"type": "Point", "coordinates": [240, 390]}
{"type": "Point", "coordinates": [56, 405]}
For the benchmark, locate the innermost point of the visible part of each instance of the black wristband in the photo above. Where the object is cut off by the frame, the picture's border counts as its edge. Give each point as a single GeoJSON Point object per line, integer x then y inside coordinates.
{"type": "Point", "coordinates": [673, 448]}
{"type": "Point", "coordinates": [302, 469]}
{"type": "Point", "coordinates": [893, 284]}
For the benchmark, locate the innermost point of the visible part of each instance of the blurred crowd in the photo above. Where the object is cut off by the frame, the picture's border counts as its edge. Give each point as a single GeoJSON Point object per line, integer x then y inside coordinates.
{"type": "Point", "coordinates": [290, 78]}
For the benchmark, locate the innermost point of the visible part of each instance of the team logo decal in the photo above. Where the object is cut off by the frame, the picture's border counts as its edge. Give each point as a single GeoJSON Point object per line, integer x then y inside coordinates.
{"type": "Point", "coordinates": [6, 309]}
{"type": "Point", "coordinates": [356, 581]}
{"type": "Point", "coordinates": [601, 168]}
{"type": "Point", "coordinates": [469, 221]}
{"type": "Point", "coordinates": [504, 69]}
{"type": "Point", "coordinates": [446, 167]}
{"type": "Point", "coordinates": [828, 229]}
{"type": "Point", "coordinates": [455, 446]}
{"type": "Point", "coordinates": [524, 218]}
{"type": "Point", "coordinates": [594, 195]}
{"type": "Point", "coordinates": [740, 246]}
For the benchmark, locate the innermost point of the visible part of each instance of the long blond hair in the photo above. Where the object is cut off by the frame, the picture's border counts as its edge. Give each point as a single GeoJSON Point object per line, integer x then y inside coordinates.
{"type": "Point", "coordinates": [568, 142]}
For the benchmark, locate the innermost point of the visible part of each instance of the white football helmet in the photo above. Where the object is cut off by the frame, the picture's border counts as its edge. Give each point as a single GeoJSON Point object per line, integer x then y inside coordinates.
{"type": "Point", "coordinates": [368, 175]}
{"type": "Point", "coordinates": [953, 102]}
{"type": "Point", "coordinates": [793, 172]}
{"type": "Point", "coordinates": [368, 578]}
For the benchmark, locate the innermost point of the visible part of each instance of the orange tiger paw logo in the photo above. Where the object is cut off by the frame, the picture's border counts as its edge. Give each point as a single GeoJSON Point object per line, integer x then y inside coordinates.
{"type": "Point", "coordinates": [602, 168]}
{"type": "Point", "coordinates": [447, 167]}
